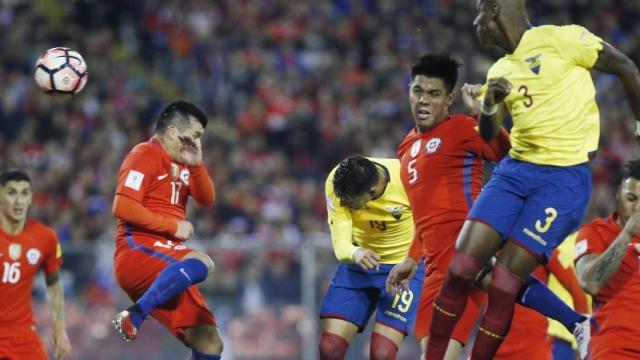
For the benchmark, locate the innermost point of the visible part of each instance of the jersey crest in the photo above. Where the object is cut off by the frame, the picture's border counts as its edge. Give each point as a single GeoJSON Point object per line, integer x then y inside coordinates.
{"type": "Point", "coordinates": [534, 63]}
{"type": "Point", "coordinates": [433, 145]}
{"type": "Point", "coordinates": [396, 211]}
{"type": "Point", "coordinates": [33, 255]}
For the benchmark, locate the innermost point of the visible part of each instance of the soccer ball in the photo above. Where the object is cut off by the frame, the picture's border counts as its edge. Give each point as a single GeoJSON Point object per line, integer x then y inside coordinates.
{"type": "Point", "coordinates": [61, 71]}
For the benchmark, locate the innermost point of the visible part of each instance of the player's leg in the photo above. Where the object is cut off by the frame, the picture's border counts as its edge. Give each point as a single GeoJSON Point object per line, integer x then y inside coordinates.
{"type": "Point", "coordinates": [490, 220]}
{"type": "Point", "coordinates": [346, 309]}
{"type": "Point", "coordinates": [513, 267]}
{"type": "Point", "coordinates": [453, 349]}
{"type": "Point", "coordinates": [385, 342]}
{"type": "Point", "coordinates": [204, 341]}
{"type": "Point", "coordinates": [335, 338]}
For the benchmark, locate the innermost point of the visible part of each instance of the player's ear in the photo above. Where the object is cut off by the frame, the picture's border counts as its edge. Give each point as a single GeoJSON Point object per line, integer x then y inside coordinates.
{"type": "Point", "coordinates": [172, 132]}
{"type": "Point", "coordinates": [451, 96]}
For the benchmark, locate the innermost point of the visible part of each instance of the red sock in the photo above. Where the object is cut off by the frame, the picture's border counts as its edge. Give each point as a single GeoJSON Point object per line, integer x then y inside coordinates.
{"type": "Point", "coordinates": [332, 347]}
{"type": "Point", "coordinates": [382, 348]}
{"type": "Point", "coordinates": [495, 324]}
{"type": "Point", "coordinates": [450, 303]}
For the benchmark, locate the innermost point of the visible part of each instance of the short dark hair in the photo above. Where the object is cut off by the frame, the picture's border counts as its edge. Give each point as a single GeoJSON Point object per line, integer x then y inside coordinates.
{"type": "Point", "coordinates": [177, 113]}
{"type": "Point", "coordinates": [354, 176]}
{"type": "Point", "coordinates": [437, 66]}
{"type": "Point", "coordinates": [632, 169]}
{"type": "Point", "coordinates": [14, 174]}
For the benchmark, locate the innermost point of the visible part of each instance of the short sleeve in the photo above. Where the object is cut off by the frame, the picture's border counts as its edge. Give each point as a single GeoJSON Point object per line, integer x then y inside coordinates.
{"type": "Point", "coordinates": [578, 45]}
{"type": "Point", "coordinates": [136, 173]}
{"type": "Point", "coordinates": [52, 252]}
{"type": "Point", "coordinates": [589, 241]}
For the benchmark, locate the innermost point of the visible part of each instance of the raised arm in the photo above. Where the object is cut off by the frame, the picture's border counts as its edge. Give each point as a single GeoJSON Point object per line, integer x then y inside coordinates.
{"type": "Point", "coordinates": [492, 108]}
{"type": "Point", "coordinates": [613, 61]}
{"type": "Point", "coordinates": [594, 270]}
{"type": "Point", "coordinates": [55, 300]}
{"type": "Point", "coordinates": [201, 186]}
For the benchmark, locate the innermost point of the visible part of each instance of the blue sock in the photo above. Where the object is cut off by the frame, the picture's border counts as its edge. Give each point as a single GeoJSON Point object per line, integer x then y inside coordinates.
{"type": "Point", "coordinates": [200, 356]}
{"type": "Point", "coordinates": [171, 281]}
{"type": "Point", "coordinates": [537, 296]}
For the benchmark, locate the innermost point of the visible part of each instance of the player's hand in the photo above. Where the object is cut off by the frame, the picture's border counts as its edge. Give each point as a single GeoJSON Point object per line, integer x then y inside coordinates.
{"type": "Point", "coordinates": [184, 230]}
{"type": "Point", "coordinates": [632, 227]}
{"type": "Point", "coordinates": [497, 91]}
{"type": "Point", "coordinates": [61, 344]}
{"type": "Point", "coordinates": [191, 150]}
{"type": "Point", "coordinates": [366, 258]}
{"type": "Point", "coordinates": [470, 93]}
{"type": "Point", "coordinates": [400, 275]}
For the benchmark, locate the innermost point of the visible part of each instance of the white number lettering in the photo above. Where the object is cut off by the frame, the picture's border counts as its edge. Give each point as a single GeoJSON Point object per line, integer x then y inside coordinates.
{"type": "Point", "coordinates": [175, 192]}
{"type": "Point", "coordinates": [11, 273]}
{"type": "Point", "coordinates": [412, 171]}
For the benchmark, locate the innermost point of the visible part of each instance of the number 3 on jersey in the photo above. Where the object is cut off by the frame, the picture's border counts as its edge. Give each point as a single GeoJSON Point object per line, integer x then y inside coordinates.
{"type": "Point", "coordinates": [413, 172]}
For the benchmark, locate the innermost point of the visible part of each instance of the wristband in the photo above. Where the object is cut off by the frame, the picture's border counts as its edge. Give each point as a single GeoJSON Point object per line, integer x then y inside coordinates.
{"type": "Point", "coordinates": [637, 132]}
{"type": "Point", "coordinates": [488, 110]}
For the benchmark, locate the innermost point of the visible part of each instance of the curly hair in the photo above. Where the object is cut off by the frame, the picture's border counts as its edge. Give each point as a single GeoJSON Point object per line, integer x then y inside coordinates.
{"type": "Point", "coordinates": [632, 169]}
{"type": "Point", "coordinates": [354, 176]}
{"type": "Point", "coordinates": [437, 66]}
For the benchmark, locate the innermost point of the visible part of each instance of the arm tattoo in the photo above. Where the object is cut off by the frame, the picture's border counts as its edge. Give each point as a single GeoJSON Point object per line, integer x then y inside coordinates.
{"type": "Point", "coordinates": [602, 267]}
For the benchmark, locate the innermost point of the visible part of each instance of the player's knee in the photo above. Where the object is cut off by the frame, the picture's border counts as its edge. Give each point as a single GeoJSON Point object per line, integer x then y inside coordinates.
{"type": "Point", "coordinates": [505, 286]}
{"type": "Point", "coordinates": [463, 269]}
{"type": "Point", "coordinates": [382, 348]}
{"type": "Point", "coordinates": [206, 259]}
{"type": "Point", "coordinates": [332, 347]}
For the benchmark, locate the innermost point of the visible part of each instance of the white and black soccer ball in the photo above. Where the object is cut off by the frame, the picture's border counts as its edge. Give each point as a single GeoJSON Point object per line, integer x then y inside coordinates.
{"type": "Point", "coordinates": [61, 71]}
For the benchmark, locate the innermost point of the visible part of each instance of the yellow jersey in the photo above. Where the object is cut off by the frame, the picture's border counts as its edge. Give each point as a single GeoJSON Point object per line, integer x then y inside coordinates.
{"type": "Point", "coordinates": [385, 225]}
{"type": "Point", "coordinates": [552, 101]}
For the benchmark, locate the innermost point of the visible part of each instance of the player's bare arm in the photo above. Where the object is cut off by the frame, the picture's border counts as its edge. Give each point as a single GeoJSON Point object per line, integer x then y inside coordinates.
{"type": "Point", "coordinates": [613, 61]}
{"type": "Point", "coordinates": [367, 259]}
{"type": "Point", "coordinates": [400, 275]}
{"type": "Point", "coordinates": [55, 299]}
{"type": "Point", "coordinates": [490, 118]}
{"type": "Point", "coordinates": [595, 270]}
{"type": "Point", "coordinates": [470, 93]}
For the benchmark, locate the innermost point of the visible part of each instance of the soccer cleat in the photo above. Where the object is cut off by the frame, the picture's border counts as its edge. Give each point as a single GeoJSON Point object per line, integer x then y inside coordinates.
{"type": "Point", "coordinates": [125, 326]}
{"type": "Point", "coordinates": [582, 333]}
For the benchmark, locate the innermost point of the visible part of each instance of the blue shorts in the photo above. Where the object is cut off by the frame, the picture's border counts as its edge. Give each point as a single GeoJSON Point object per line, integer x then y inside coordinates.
{"type": "Point", "coordinates": [355, 293]}
{"type": "Point", "coordinates": [537, 206]}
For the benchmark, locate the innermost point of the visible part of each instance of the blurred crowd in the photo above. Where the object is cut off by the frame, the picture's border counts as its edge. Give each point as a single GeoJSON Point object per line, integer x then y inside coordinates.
{"type": "Point", "coordinates": [291, 87]}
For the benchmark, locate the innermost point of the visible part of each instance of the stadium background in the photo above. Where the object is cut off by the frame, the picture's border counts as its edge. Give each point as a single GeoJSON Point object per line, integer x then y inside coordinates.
{"type": "Point", "coordinates": [291, 87]}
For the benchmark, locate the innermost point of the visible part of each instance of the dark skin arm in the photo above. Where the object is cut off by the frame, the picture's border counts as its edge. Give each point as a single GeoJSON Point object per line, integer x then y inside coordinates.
{"type": "Point", "coordinates": [613, 61]}
{"type": "Point", "coordinates": [497, 91]}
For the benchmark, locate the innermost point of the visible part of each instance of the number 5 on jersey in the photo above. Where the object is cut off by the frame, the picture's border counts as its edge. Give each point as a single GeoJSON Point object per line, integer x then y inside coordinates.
{"type": "Point", "coordinates": [413, 172]}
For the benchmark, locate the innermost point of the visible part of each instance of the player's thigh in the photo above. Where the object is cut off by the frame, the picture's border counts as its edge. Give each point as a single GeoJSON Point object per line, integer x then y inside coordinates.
{"type": "Point", "coordinates": [499, 203]}
{"type": "Point", "coordinates": [552, 212]}
{"type": "Point", "coordinates": [352, 296]}
{"type": "Point", "coordinates": [399, 311]}
{"type": "Point", "coordinates": [186, 310]}
{"type": "Point", "coordinates": [390, 333]}
{"type": "Point", "coordinates": [342, 328]}
{"type": "Point", "coordinates": [203, 338]}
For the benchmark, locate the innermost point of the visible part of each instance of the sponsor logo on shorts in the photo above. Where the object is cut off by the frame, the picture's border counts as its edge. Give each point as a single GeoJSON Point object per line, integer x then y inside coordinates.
{"type": "Point", "coordinates": [534, 236]}
{"type": "Point", "coordinates": [394, 315]}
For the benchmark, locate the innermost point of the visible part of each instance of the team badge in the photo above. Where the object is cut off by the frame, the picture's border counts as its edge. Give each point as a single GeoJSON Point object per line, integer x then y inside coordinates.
{"type": "Point", "coordinates": [33, 255]}
{"type": "Point", "coordinates": [415, 148]}
{"type": "Point", "coordinates": [184, 176]}
{"type": "Point", "coordinates": [396, 211]}
{"type": "Point", "coordinates": [534, 63]}
{"type": "Point", "coordinates": [433, 145]}
{"type": "Point", "coordinates": [15, 250]}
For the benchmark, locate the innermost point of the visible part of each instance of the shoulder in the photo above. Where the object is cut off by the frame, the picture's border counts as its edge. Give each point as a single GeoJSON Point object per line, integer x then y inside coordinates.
{"type": "Point", "coordinates": [42, 231]}
{"type": "Point", "coordinates": [460, 126]}
{"type": "Point", "coordinates": [406, 143]}
{"type": "Point", "coordinates": [143, 149]}
{"type": "Point", "coordinates": [600, 229]}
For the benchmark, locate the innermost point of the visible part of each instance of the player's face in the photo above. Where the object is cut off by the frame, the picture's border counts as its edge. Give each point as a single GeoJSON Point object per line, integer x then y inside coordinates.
{"type": "Point", "coordinates": [15, 199]}
{"type": "Point", "coordinates": [187, 143]}
{"type": "Point", "coordinates": [430, 101]}
{"type": "Point", "coordinates": [485, 23]}
{"type": "Point", "coordinates": [628, 198]}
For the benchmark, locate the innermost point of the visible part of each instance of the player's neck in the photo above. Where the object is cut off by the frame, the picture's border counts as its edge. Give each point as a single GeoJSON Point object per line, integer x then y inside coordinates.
{"type": "Point", "coordinates": [513, 34]}
{"type": "Point", "coordinates": [163, 144]}
{"type": "Point", "coordinates": [11, 227]}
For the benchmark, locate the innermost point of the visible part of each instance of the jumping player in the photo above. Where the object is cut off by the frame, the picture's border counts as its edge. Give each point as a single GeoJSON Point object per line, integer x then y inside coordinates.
{"type": "Point", "coordinates": [152, 263]}
{"type": "Point", "coordinates": [608, 266]}
{"type": "Point", "coordinates": [26, 246]}
{"type": "Point", "coordinates": [371, 229]}
{"type": "Point", "coordinates": [538, 194]}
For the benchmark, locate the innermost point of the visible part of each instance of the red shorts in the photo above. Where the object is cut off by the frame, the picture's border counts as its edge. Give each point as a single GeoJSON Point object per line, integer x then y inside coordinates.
{"type": "Point", "coordinates": [22, 346]}
{"type": "Point", "coordinates": [466, 324]}
{"type": "Point", "coordinates": [137, 268]}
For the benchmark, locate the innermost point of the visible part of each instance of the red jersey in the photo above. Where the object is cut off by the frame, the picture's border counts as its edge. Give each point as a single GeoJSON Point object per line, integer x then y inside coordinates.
{"type": "Point", "coordinates": [616, 304]}
{"type": "Point", "coordinates": [442, 172]}
{"type": "Point", "coordinates": [149, 177]}
{"type": "Point", "coordinates": [21, 256]}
